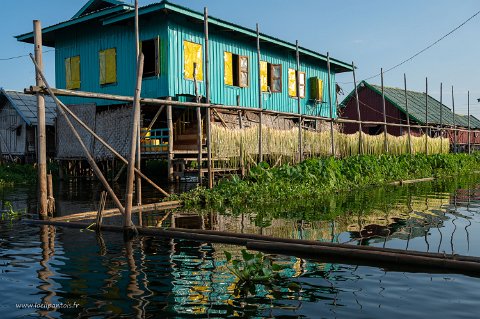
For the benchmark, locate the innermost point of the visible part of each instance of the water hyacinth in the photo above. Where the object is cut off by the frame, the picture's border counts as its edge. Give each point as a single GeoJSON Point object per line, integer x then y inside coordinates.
{"type": "Point", "coordinates": [281, 146]}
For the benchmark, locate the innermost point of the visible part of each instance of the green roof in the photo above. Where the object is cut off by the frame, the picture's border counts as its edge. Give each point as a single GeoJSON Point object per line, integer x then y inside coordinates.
{"type": "Point", "coordinates": [416, 106]}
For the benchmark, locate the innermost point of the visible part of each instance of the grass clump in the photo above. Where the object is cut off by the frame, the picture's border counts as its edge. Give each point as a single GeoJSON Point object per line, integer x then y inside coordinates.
{"type": "Point", "coordinates": [12, 174]}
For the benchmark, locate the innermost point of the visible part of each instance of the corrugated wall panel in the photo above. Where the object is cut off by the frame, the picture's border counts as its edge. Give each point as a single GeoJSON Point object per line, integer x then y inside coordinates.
{"type": "Point", "coordinates": [221, 41]}
{"type": "Point", "coordinates": [88, 41]}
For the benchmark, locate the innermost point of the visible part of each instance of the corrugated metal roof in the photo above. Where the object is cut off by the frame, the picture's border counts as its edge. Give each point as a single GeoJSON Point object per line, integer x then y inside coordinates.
{"type": "Point", "coordinates": [26, 106]}
{"type": "Point", "coordinates": [416, 106]}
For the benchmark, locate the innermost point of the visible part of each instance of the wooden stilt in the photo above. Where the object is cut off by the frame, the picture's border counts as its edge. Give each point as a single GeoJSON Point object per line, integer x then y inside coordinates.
{"type": "Point", "coordinates": [385, 140]}
{"type": "Point", "coordinates": [426, 116]}
{"type": "Point", "coordinates": [127, 222]}
{"type": "Point", "coordinates": [50, 197]}
{"type": "Point", "coordinates": [299, 106]}
{"type": "Point", "coordinates": [41, 130]}
{"type": "Point", "coordinates": [441, 116]}
{"type": "Point", "coordinates": [101, 208]}
{"type": "Point", "coordinates": [260, 102]}
{"type": "Point", "coordinates": [469, 128]}
{"type": "Point", "coordinates": [357, 102]}
{"type": "Point", "coordinates": [240, 124]}
{"type": "Point", "coordinates": [455, 149]}
{"type": "Point", "coordinates": [332, 138]}
{"type": "Point", "coordinates": [408, 116]}
{"type": "Point", "coordinates": [207, 95]}
{"type": "Point", "coordinates": [170, 142]}
{"type": "Point", "coordinates": [199, 127]}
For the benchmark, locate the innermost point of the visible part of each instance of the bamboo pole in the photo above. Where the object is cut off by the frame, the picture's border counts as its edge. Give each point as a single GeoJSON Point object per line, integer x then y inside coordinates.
{"type": "Point", "coordinates": [50, 197]}
{"type": "Point", "coordinates": [199, 126]}
{"type": "Point", "coordinates": [385, 141]}
{"type": "Point", "coordinates": [332, 138]}
{"type": "Point", "coordinates": [408, 115]}
{"type": "Point", "coordinates": [349, 253]}
{"type": "Point", "coordinates": [260, 102]}
{"type": "Point", "coordinates": [170, 142]}
{"type": "Point", "coordinates": [207, 95]}
{"type": "Point", "coordinates": [240, 124]}
{"type": "Point", "coordinates": [127, 222]}
{"type": "Point", "coordinates": [41, 130]}
{"type": "Point", "coordinates": [299, 105]}
{"type": "Point", "coordinates": [360, 129]}
{"type": "Point", "coordinates": [454, 124]}
{"type": "Point", "coordinates": [468, 112]}
{"type": "Point", "coordinates": [441, 116]}
{"type": "Point", "coordinates": [138, 181]}
{"type": "Point", "coordinates": [426, 116]}
{"type": "Point", "coordinates": [89, 157]}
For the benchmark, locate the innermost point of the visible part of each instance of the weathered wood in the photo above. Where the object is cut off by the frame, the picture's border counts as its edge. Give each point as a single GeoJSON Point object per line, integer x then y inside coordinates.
{"type": "Point", "coordinates": [299, 105]}
{"type": "Point", "coordinates": [332, 138]}
{"type": "Point", "coordinates": [260, 101]}
{"type": "Point", "coordinates": [101, 208]}
{"type": "Point", "coordinates": [155, 118]}
{"type": "Point", "coordinates": [138, 153]}
{"type": "Point", "coordinates": [357, 102]}
{"type": "Point", "coordinates": [240, 124]}
{"type": "Point", "coordinates": [89, 157]}
{"type": "Point", "coordinates": [349, 253]}
{"type": "Point", "coordinates": [468, 115]}
{"type": "Point", "coordinates": [454, 124]}
{"type": "Point", "coordinates": [385, 140]}
{"type": "Point", "coordinates": [50, 197]}
{"type": "Point", "coordinates": [410, 150]}
{"type": "Point", "coordinates": [115, 212]}
{"type": "Point", "coordinates": [208, 121]}
{"type": "Point", "coordinates": [441, 116]}
{"type": "Point", "coordinates": [127, 222]}
{"type": "Point", "coordinates": [224, 124]}
{"type": "Point", "coordinates": [426, 116]}
{"type": "Point", "coordinates": [41, 129]}
{"type": "Point", "coordinates": [412, 181]}
{"type": "Point", "coordinates": [170, 143]}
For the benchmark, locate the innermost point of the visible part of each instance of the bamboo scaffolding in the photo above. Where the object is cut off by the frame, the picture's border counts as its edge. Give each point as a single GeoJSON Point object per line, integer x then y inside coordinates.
{"type": "Point", "coordinates": [207, 95]}
{"type": "Point", "coordinates": [260, 102]}
{"type": "Point", "coordinates": [385, 141]}
{"type": "Point", "coordinates": [426, 116]}
{"type": "Point", "coordinates": [138, 181]}
{"type": "Point", "coordinates": [357, 102]}
{"type": "Point", "coordinates": [127, 224]}
{"type": "Point", "coordinates": [332, 138]}
{"type": "Point", "coordinates": [407, 115]}
{"type": "Point", "coordinates": [63, 109]}
{"type": "Point", "coordinates": [299, 105]}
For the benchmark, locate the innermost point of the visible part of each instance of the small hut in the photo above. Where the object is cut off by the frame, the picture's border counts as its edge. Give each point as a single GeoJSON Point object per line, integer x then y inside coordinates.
{"type": "Point", "coordinates": [18, 122]}
{"type": "Point", "coordinates": [371, 110]}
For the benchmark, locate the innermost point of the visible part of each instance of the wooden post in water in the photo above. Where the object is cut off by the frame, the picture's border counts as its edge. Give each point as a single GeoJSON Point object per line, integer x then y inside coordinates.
{"type": "Point", "coordinates": [332, 138]}
{"type": "Point", "coordinates": [426, 116]}
{"type": "Point", "coordinates": [41, 130]}
{"type": "Point", "coordinates": [170, 141]}
{"type": "Point", "coordinates": [385, 141]}
{"type": "Point", "coordinates": [299, 106]}
{"type": "Point", "coordinates": [469, 128]}
{"type": "Point", "coordinates": [127, 222]}
{"type": "Point", "coordinates": [207, 95]}
{"type": "Point", "coordinates": [50, 197]}
{"type": "Point", "coordinates": [408, 115]}
{"type": "Point", "coordinates": [441, 117]}
{"type": "Point", "coordinates": [454, 124]}
{"type": "Point", "coordinates": [199, 126]}
{"type": "Point", "coordinates": [240, 124]}
{"type": "Point", "coordinates": [138, 181]}
{"type": "Point", "coordinates": [260, 102]}
{"type": "Point", "coordinates": [360, 129]}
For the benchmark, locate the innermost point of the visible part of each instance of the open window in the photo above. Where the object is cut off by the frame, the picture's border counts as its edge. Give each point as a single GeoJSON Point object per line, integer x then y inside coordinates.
{"type": "Point", "coordinates": [292, 83]}
{"type": "Point", "coordinates": [271, 77]}
{"type": "Point", "coordinates": [236, 69]}
{"type": "Point", "coordinates": [192, 55]}
{"type": "Point", "coordinates": [108, 66]}
{"type": "Point", "coordinates": [151, 55]}
{"type": "Point", "coordinates": [72, 72]}
{"type": "Point", "coordinates": [316, 89]}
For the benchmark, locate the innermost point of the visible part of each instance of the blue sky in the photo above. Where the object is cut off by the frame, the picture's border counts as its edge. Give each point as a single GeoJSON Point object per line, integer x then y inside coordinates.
{"type": "Point", "coordinates": [373, 34]}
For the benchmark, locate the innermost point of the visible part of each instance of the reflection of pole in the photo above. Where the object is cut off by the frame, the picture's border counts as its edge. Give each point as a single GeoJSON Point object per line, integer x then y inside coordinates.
{"type": "Point", "coordinates": [133, 289]}
{"type": "Point", "coordinates": [47, 239]}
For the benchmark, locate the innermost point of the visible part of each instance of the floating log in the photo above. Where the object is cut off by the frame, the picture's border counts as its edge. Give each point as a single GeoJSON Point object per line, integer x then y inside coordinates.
{"type": "Point", "coordinates": [358, 255]}
{"type": "Point", "coordinates": [115, 212]}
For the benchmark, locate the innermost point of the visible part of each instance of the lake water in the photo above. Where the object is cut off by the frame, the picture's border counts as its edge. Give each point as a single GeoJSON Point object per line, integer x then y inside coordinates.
{"type": "Point", "coordinates": [102, 276]}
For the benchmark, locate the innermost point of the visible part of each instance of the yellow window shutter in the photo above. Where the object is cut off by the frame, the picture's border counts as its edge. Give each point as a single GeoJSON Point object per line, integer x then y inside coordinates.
{"type": "Point", "coordinates": [72, 72]}
{"type": "Point", "coordinates": [316, 89]}
{"type": "Point", "coordinates": [192, 53]}
{"type": "Point", "coordinates": [101, 58]}
{"type": "Point", "coordinates": [111, 65]}
{"type": "Point", "coordinates": [264, 75]}
{"type": "Point", "coordinates": [292, 83]}
{"type": "Point", "coordinates": [228, 65]}
{"type": "Point", "coordinates": [68, 74]}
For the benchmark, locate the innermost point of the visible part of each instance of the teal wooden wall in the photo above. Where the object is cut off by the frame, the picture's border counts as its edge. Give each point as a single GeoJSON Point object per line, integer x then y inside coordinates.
{"type": "Point", "coordinates": [219, 42]}
{"type": "Point", "coordinates": [90, 39]}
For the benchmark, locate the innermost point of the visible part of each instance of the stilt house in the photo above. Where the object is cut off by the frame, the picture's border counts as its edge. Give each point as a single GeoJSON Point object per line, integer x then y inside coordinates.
{"type": "Point", "coordinates": [18, 122]}
{"type": "Point", "coordinates": [371, 109]}
{"type": "Point", "coordinates": [95, 52]}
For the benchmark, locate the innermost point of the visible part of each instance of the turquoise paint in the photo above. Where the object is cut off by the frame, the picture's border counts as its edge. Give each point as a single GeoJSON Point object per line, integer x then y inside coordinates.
{"type": "Point", "coordinates": [96, 36]}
